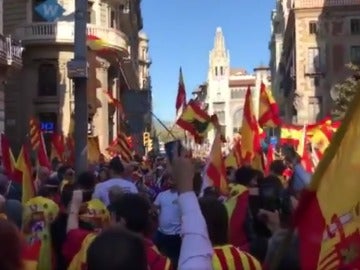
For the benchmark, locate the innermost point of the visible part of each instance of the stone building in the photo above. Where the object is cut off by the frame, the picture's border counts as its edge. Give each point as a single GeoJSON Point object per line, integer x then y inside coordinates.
{"type": "Point", "coordinates": [318, 38]}
{"type": "Point", "coordinates": [10, 65]}
{"type": "Point", "coordinates": [227, 86]}
{"type": "Point", "coordinates": [43, 88]}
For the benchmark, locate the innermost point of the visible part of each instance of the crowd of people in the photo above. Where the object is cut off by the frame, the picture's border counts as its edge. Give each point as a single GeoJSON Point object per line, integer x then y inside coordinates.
{"type": "Point", "coordinates": [151, 214]}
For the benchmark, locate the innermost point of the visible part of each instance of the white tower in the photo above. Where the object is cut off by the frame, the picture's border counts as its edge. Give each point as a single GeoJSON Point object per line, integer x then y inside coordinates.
{"type": "Point", "coordinates": [218, 94]}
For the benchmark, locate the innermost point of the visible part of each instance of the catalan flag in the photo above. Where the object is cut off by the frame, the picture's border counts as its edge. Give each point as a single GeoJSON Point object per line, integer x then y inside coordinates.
{"type": "Point", "coordinates": [269, 115]}
{"type": "Point", "coordinates": [196, 121]}
{"type": "Point", "coordinates": [328, 214]}
{"type": "Point", "coordinates": [120, 146]}
{"type": "Point", "coordinates": [34, 133]}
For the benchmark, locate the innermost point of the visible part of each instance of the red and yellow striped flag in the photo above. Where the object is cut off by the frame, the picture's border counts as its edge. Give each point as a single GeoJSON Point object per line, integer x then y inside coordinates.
{"type": "Point", "coordinates": [120, 146]}
{"type": "Point", "coordinates": [328, 216]}
{"type": "Point", "coordinates": [34, 133]}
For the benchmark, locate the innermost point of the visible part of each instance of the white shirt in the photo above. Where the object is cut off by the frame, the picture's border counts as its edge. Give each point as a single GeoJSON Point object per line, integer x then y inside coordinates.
{"type": "Point", "coordinates": [102, 189]}
{"type": "Point", "coordinates": [170, 215]}
{"type": "Point", "coordinates": [196, 249]}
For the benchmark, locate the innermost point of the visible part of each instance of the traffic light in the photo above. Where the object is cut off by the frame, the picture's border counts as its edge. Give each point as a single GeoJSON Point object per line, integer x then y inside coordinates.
{"type": "Point", "coordinates": [146, 138]}
{"type": "Point", "coordinates": [150, 145]}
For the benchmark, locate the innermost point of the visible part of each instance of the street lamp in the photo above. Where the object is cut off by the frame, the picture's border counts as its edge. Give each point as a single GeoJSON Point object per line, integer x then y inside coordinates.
{"type": "Point", "coordinates": [78, 72]}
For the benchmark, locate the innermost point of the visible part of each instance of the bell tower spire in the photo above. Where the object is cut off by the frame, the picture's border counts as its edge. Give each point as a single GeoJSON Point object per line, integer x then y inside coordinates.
{"type": "Point", "coordinates": [219, 58]}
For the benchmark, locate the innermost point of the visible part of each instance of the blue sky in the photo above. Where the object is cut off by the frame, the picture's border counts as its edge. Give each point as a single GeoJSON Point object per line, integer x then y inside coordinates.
{"type": "Point", "coordinates": [181, 33]}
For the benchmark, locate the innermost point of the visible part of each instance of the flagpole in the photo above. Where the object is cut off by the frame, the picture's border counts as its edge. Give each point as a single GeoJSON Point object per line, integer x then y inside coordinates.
{"type": "Point", "coordinates": [163, 125]}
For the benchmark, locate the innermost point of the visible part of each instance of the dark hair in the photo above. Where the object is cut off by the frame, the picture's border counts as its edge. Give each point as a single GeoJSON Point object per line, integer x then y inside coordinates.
{"type": "Point", "coordinates": [116, 165]}
{"type": "Point", "coordinates": [278, 167]}
{"type": "Point", "coordinates": [197, 183]}
{"type": "Point", "coordinates": [216, 218]}
{"type": "Point", "coordinates": [135, 210]}
{"type": "Point", "coordinates": [103, 253]}
{"type": "Point", "coordinates": [244, 175]}
{"type": "Point", "coordinates": [11, 246]}
{"type": "Point", "coordinates": [86, 180]}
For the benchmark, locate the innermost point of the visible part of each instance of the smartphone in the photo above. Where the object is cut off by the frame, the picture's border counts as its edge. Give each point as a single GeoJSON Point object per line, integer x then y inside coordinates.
{"type": "Point", "coordinates": [169, 149]}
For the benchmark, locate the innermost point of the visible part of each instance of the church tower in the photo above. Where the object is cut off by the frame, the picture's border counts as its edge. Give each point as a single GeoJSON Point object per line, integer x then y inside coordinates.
{"type": "Point", "coordinates": [218, 93]}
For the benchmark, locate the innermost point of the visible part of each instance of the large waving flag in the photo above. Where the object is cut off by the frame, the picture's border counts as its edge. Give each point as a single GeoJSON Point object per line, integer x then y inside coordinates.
{"type": "Point", "coordinates": [23, 164]}
{"type": "Point", "coordinates": [269, 115]}
{"type": "Point", "coordinates": [181, 95]}
{"type": "Point", "coordinates": [250, 131]}
{"type": "Point", "coordinates": [215, 170]}
{"type": "Point", "coordinates": [116, 103]}
{"type": "Point", "coordinates": [328, 216]}
{"type": "Point", "coordinates": [196, 121]}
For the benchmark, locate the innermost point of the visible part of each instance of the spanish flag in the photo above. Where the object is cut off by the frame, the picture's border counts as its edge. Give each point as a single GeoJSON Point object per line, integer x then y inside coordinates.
{"type": "Point", "coordinates": [57, 147]}
{"type": "Point", "coordinates": [328, 216]}
{"type": "Point", "coordinates": [250, 131]}
{"type": "Point", "coordinates": [269, 115]}
{"type": "Point", "coordinates": [23, 164]}
{"type": "Point", "coordinates": [8, 159]}
{"type": "Point", "coordinates": [181, 95]}
{"type": "Point", "coordinates": [196, 121]}
{"type": "Point", "coordinates": [96, 44]}
{"type": "Point", "coordinates": [290, 134]}
{"type": "Point", "coordinates": [215, 170]}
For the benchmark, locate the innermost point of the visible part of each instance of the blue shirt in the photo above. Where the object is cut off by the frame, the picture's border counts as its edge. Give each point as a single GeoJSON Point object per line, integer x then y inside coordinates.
{"type": "Point", "coordinates": [301, 178]}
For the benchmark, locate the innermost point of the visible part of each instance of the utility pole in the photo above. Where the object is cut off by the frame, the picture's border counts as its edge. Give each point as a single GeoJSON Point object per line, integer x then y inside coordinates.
{"type": "Point", "coordinates": [78, 72]}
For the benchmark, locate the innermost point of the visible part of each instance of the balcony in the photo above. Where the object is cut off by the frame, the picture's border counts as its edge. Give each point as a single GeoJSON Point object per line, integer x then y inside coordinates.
{"type": "Point", "coordinates": [324, 3]}
{"type": "Point", "coordinates": [63, 33]}
{"type": "Point", "coordinates": [10, 53]}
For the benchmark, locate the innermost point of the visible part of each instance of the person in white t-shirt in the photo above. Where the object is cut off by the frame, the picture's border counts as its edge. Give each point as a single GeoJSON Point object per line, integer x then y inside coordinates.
{"type": "Point", "coordinates": [168, 238]}
{"type": "Point", "coordinates": [116, 170]}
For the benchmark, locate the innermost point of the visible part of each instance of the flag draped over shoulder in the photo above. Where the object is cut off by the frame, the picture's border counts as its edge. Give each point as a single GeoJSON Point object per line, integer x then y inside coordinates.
{"type": "Point", "coordinates": [269, 115]}
{"type": "Point", "coordinates": [196, 121]}
{"type": "Point", "coordinates": [328, 216]}
{"type": "Point", "coordinates": [215, 170]}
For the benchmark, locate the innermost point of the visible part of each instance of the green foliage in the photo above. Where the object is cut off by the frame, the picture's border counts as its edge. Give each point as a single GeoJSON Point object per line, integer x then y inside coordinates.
{"type": "Point", "coordinates": [346, 91]}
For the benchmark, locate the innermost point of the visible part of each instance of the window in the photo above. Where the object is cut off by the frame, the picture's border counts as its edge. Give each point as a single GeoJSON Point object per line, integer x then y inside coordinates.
{"type": "Point", "coordinates": [221, 71]}
{"type": "Point", "coordinates": [125, 8]}
{"type": "Point", "coordinates": [237, 118]}
{"type": "Point", "coordinates": [355, 55]}
{"type": "Point", "coordinates": [35, 16]}
{"type": "Point", "coordinates": [313, 28]}
{"type": "Point", "coordinates": [47, 80]}
{"type": "Point", "coordinates": [313, 60]}
{"type": "Point", "coordinates": [112, 16]}
{"type": "Point", "coordinates": [216, 71]}
{"type": "Point", "coordinates": [277, 29]}
{"type": "Point", "coordinates": [355, 26]}
{"type": "Point", "coordinates": [314, 108]}
{"type": "Point", "coordinates": [221, 117]}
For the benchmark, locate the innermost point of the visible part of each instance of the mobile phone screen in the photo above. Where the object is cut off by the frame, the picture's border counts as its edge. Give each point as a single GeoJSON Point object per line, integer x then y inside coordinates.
{"type": "Point", "coordinates": [169, 149]}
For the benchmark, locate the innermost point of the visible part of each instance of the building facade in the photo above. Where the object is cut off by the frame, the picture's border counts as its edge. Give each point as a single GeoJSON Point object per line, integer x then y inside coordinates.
{"type": "Point", "coordinates": [43, 88]}
{"type": "Point", "coordinates": [227, 86]}
{"type": "Point", "coordinates": [319, 38]}
{"type": "Point", "coordinates": [10, 65]}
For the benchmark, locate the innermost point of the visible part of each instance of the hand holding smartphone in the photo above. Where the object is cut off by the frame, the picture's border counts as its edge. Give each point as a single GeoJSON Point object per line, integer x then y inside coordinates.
{"type": "Point", "coordinates": [170, 147]}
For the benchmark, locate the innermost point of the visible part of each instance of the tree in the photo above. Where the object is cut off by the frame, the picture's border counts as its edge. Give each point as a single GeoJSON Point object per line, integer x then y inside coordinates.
{"type": "Point", "coordinates": [344, 92]}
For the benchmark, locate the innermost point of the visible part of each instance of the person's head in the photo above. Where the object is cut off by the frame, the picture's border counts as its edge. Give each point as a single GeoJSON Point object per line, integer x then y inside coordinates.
{"type": "Point", "coordinates": [103, 253]}
{"type": "Point", "coordinates": [86, 181]}
{"type": "Point", "coordinates": [134, 211]}
{"type": "Point", "coordinates": [277, 167]}
{"type": "Point", "coordinates": [212, 192]}
{"type": "Point", "coordinates": [115, 192]}
{"type": "Point", "coordinates": [245, 175]}
{"type": "Point", "coordinates": [11, 246]}
{"type": "Point", "coordinates": [258, 177]}
{"type": "Point", "coordinates": [43, 174]}
{"type": "Point", "coordinates": [103, 174]}
{"type": "Point", "coordinates": [116, 167]}
{"type": "Point", "coordinates": [216, 218]}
